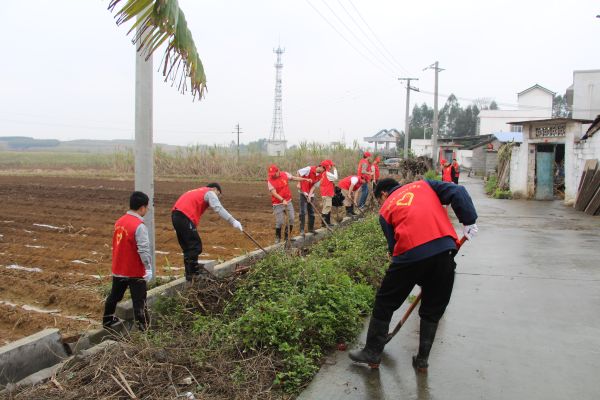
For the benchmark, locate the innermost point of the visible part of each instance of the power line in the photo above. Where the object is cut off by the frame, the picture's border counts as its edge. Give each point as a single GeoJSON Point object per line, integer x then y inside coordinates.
{"type": "Point", "coordinates": [346, 40]}
{"type": "Point", "coordinates": [377, 37]}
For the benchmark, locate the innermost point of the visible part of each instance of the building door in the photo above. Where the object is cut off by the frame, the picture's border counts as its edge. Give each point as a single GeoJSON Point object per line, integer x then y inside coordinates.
{"type": "Point", "coordinates": [544, 172]}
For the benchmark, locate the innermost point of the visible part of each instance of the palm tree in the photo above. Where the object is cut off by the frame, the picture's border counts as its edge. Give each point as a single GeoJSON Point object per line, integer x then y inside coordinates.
{"type": "Point", "coordinates": [160, 21]}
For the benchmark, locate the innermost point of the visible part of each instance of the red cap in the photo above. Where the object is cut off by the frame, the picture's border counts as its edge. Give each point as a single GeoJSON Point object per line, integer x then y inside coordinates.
{"type": "Point", "coordinates": [366, 154]}
{"type": "Point", "coordinates": [272, 170]}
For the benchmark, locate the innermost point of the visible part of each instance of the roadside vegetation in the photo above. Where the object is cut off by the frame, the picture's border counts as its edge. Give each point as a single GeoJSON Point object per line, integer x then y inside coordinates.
{"type": "Point", "coordinates": [260, 335]}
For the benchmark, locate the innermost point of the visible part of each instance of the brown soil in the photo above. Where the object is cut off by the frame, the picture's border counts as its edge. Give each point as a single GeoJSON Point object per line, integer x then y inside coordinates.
{"type": "Point", "coordinates": [75, 259]}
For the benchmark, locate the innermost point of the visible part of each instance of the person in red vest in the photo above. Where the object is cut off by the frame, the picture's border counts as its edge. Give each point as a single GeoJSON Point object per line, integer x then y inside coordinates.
{"type": "Point", "coordinates": [131, 262]}
{"type": "Point", "coordinates": [455, 171]}
{"type": "Point", "coordinates": [281, 198]}
{"type": "Point", "coordinates": [375, 169]}
{"type": "Point", "coordinates": [447, 172]}
{"type": "Point", "coordinates": [349, 186]}
{"type": "Point", "coordinates": [306, 189]}
{"type": "Point", "coordinates": [422, 244]}
{"type": "Point", "coordinates": [327, 187]}
{"type": "Point", "coordinates": [185, 216]}
{"type": "Point", "coordinates": [364, 171]}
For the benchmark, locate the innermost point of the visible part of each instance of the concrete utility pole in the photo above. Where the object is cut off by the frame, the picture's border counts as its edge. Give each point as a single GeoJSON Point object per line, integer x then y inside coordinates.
{"type": "Point", "coordinates": [434, 137]}
{"type": "Point", "coordinates": [406, 121]}
{"type": "Point", "coordinates": [143, 150]}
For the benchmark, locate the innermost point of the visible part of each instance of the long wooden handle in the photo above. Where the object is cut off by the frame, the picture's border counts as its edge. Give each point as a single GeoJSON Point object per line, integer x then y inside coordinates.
{"type": "Point", "coordinates": [255, 242]}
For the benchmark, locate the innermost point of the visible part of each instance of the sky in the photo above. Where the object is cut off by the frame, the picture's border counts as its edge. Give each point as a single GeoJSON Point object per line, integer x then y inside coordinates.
{"type": "Point", "coordinates": [68, 72]}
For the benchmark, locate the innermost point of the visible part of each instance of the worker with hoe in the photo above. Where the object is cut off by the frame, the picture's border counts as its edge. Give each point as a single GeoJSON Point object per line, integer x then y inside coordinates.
{"type": "Point", "coordinates": [446, 171]}
{"type": "Point", "coordinates": [185, 216]}
{"type": "Point", "coordinates": [455, 173]}
{"type": "Point", "coordinates": [422, 244]}
{"type": "Point", "coordinates": [307, 192]}
{"type": "Point", "coordinates": [327, 187]}
{"type": "Point", "coordinates": [131, 262]}
{"type": "Point", "coordinates": [281, 198]}
{"type": "Point", "coordinates": [365, 172]}
{"type": "Point", "coordinates": [349, 186]}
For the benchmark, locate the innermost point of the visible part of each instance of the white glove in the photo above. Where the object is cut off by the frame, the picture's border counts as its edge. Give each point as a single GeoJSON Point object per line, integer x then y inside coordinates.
{"type": "Point", "coordinates": [237, 225]}
{"type": "Point", "coordinates": [470, 230]}
{"type": "Point", "coordinates": [148, 276]}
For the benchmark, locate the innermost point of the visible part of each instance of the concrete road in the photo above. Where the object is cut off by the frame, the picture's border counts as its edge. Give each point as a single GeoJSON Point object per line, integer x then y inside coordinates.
{"type": "Point", "coordinates": [523, 322]}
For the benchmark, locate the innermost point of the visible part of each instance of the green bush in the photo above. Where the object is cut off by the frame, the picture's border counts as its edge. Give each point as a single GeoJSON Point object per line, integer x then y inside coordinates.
{"type": "Point", "coordinates": [491, 184]}
{"type": "Point", "coordinates": [502, 194]}
{"type": "Point", "coordinates": [432, 175]}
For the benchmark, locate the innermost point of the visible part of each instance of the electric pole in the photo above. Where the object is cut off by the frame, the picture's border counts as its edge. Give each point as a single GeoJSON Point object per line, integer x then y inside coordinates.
{"type": "Point", "coordinates": [434, 137]}
{"type": "Point", "coordinates": [406, 121]}
{"type": "Point", "coordinates": [237, 127]}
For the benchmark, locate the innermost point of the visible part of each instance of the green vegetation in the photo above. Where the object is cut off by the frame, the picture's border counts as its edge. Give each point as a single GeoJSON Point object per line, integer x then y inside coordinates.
{"type": "Point", "coordinates": [432, 175]}
{"type": "Point", "coordinates": [492, 189]}
{"type": "Point", "coordinates": [294, 308]}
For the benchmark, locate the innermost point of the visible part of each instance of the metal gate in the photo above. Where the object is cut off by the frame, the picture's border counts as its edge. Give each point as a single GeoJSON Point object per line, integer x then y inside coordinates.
{"type": "Point", "coordinates": [544, 172]}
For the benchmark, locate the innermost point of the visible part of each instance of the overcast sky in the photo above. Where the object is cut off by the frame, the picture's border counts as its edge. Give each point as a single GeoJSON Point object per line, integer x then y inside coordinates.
{"type": "Point", "coordinates": [67, 70]}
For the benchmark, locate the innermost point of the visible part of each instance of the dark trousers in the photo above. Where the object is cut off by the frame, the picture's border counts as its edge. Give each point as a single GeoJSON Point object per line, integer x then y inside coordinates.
{"type": "Point", "coordinates": [435, 275]}
{"type": "Point", "coordinates": [363, 194]}
{"type": "Point", "coordinates": [137, 289]}
{"type": "Point", "coordinates": [305, 207]}
{"type": "Point", "coordinates": [189, 240]}
{"type": "Point", "coordinates": [455, 179]}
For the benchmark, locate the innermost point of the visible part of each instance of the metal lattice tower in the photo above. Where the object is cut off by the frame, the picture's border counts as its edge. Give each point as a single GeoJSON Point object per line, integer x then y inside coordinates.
{"type": "Point", "coordinates": [277, 125]}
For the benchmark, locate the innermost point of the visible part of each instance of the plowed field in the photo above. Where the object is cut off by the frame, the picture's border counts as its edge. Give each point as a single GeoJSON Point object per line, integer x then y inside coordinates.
{"type": "Point", "coordinates": [55, 244]}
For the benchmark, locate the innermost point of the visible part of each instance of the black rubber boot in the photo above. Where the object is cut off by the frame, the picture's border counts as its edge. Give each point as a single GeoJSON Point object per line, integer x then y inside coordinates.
{"type": "Point", "coordinates": [328, 218]}
{"type": "Point", "coordinates": [426, 337]}
{"type": "Point", "coordinates": [311, 223]}
{"type": "Point", "coordinates": [349, 212]}
{"type": "Point", "coordinates": [277, 235]}
{"type": "Point", "coordinates": [191, 271]}
{"type": "Point", "coordinates": [302, 218]}
{"type": "Point", "coordinates": [376, 339]}
{"type": "Point", "coordinates": [325, 221]}
{"type": "Point", "coordinates": [288, 232]}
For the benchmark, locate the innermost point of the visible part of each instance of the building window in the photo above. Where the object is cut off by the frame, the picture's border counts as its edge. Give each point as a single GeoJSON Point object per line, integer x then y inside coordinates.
{"type": "Point", "coordinates": [516, 128]}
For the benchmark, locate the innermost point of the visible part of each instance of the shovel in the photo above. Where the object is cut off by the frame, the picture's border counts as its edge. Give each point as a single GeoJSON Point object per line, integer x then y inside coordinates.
{"type": "Point", "coordinates": [415, 303]}
{"type": "Point", "coordinates": [320, 214]}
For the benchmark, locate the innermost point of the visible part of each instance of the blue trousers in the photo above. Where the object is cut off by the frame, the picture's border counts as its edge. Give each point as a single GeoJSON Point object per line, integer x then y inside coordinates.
{"type": "Point", "coordinates": [363, 194]}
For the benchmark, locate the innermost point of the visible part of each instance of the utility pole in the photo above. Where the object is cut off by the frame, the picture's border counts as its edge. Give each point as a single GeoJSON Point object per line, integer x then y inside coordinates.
{"type": "Point", "coordinates": [406, 121]}
{"type": "Point", "coordinates": [143, 150]}
{"type": "Point", "coordinates": [237, 127]}
{"type": "Point", "coordinates": [434, 137]}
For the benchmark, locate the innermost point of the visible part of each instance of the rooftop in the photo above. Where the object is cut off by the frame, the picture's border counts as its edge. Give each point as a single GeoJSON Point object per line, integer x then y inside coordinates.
{"type": "Point", "coordinates": [552, 120]}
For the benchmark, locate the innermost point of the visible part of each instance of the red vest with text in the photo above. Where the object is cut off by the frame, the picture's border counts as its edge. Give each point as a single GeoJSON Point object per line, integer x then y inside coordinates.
{"type": "Point", "coordinates": [327, 187]}
{"type": "Point", "coordinates": [192, 204]}
{"type": "Point", "coordinates": [366, 177]}
{"type": "Point", "coordinates": [447, 174]}
{"type": "Point", "coordinates": [281, 187]}
{"type": "Point", "coordinates": [417, 216]}
{"type": "Point", "coordinates": [125, 258]}
{"type": "Point", "coordinates": [345, 183]}
{"type": "Point", "coordinates": [314, 178]}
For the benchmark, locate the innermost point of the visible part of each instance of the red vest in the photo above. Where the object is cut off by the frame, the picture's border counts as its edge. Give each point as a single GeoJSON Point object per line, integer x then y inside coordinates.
{"type": "Point", "coordinates": [417, 216]}
{"type": "Point", "coordinates": [376, 171]}
{"type": "Point", "coordinates": [327, 187]}
{"type": "Point", "coordinates": [192, 204]}
{"type": "Point", "coordinates": [345, 183]}
{"type": "Point", "coordinates": [447, 174]}
{"type": "Point", "coordinates": [281, 187]}
{"type": "Point", "coordinates": [125, 258]}
{"type": "Point", "coordinates": [314, 178]}
{"type": "Point", "coordinates": [368, 169]}
{"type": "Point", "coordinates": [456, 168]}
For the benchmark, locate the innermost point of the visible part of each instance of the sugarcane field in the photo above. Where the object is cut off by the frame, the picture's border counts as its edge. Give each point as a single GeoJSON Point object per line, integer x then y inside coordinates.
{"type": "Point", "coordinates": [410, 209]}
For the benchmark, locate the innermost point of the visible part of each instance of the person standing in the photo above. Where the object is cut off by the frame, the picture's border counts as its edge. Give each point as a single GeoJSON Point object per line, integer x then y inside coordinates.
{"type": "Point", "coordinates": [364, 171]}
{"type": "Point", "coordinates": [131, 263]}
{"type": "Point", "coordinates": [281, 198]}
{"type": "Point", "coordinates": [327, 187]}
{"type": "Point", "coordinates": [185, 216]}
{"type": "Point", "coordinates": [349, 186]}
{"type": "Point", "coordinates": [455, 171]}
{"type": "Point", "coordinates": [422, 244]}
{"type": "Point", "coordinates": [313, 173]}
{"type": "Point", "coordinates": [375, 169]}
{"type": "Point", "coordinates": [447, 172]}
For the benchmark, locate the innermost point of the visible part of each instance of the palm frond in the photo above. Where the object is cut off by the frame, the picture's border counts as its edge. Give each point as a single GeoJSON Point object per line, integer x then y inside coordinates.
{"type": "Point", "coordinates": [160, 21]}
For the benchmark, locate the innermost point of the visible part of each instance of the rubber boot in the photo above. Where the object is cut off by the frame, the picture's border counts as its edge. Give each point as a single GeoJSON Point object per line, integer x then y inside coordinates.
{"type": "Point", "coordinates": [277, 235]}
{"type": "Point", "coordinates": [328, 218]}
{"type": "Point", "coordinates": [349, 212]}
{"type": "Point", "coordinates": [192, 270]}
{"type": "Point", "coordinates": [311, 223]}
{"type": "Point", "coordinates": [302, 218]}
{"type": "Point", "coordinates": [288, 232]}
{"type": "Point", "coordinates": [325, 221]}
{"type": "Point", "coordinates": [376, 338]}
{"type": "Point", "coordinates": [426, 337]}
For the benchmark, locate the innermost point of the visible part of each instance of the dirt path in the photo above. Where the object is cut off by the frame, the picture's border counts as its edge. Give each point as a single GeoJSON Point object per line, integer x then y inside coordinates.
{"type": "Point", "coordinates": [55, 244]}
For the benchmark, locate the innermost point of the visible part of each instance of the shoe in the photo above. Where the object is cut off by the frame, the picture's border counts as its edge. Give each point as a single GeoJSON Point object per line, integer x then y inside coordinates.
{"type": "Point", "coordinates": [277, 235]}
{"type": "Point", "coordinates": [426, 337]}
{"type": "Point", "coordinates": [376, 339]}
{"type": "Point", "coordinates": [110, 321]}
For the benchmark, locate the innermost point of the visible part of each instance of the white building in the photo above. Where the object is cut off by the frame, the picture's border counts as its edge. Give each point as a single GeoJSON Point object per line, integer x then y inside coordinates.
{"type": "Point", "coordinates": [421, 147]}
{"type": "Point", "coordinates": [584, 95]}
{"type": "Point", "coordinates": [533, 103]}
{"type": "Point", "coordinates": [276, 148]}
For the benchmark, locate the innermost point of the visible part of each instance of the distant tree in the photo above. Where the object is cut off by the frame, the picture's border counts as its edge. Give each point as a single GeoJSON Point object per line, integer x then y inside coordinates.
{"type": "Point", "coordinates": [494, 105]}
{"type": "Point", "coordinates": [451, 113]}
{"type": "Point", "coordinates": [560, 108]}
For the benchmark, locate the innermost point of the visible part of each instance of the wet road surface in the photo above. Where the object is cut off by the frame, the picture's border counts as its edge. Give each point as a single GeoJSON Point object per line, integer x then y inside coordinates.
{"type": "Point", "coordinates": [523, 322]}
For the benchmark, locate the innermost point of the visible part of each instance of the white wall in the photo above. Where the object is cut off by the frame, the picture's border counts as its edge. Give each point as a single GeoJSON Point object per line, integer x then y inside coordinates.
{"type": "Point", "coordinates": [464, 158]}
{"type": "Point", "coordinates": [518, 170]}
{"type": "Point", "coordinates": [586, 94]}
{"type": "Point", "coordinates": [536, 99]}
{"type": "Point", "coordinates": [421, 147]}
{"type": "Point", "coordinates": [585, 150]}
{"type": "Point", "coordinates": [492, 121]}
